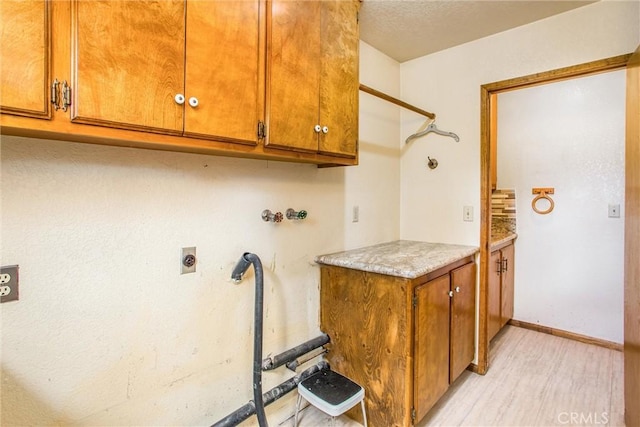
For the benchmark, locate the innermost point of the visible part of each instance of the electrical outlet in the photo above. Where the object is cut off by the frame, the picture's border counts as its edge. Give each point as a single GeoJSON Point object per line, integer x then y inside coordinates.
{"type": "Point", "coordinates": [467, 213]}
{"type": "Point", "coordinates": [188, 260]}
{"type": "Point", "coordinates": [9, 283]}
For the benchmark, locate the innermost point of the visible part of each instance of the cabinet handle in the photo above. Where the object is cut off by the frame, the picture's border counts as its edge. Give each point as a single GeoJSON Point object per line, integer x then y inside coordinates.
{"type": "Point", "coordinates": [505, 265]}
{"type": "Point", "coordinates": [457, 288]}
{"type": "Point", "coordinates": [193, 101]}
{"type": "Point", "coordinates": [499, 266]}
{"type": "Point", "coordinates": [450, 294]}
{"type": "Point", "coordinates": [317, 128]}
{"type": "Point", "coordinates": [179, 98]}
{"type": "Point", "coordinates": [325, 129]}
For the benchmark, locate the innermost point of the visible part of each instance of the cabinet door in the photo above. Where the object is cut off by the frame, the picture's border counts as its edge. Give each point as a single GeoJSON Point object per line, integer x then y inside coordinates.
{"type": "Point", "coordinates": [128, 64]}
{"type": "Point", "coordinates": [463, 319]}
{"type": "Point", "coordinates": [222, 60]}
{"type": "Point", "coordinates": [339, 79]}
{"type": "Point", "coordinates": [495, 308]}
{"type": "Point", "coordinates": [431, 347]}
{"type": "Point", "coordinates": [24, 68]}
{"type": "Point", "coordinates": [293, 74]}
{"type": "Point", "coordinates": [507, 285]}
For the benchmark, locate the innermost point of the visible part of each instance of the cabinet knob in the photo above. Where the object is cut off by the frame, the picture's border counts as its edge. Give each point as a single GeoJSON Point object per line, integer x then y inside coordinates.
{"type": "Point", "coordinates": [179, 98]}
{"type": "Point", "coordinates": [325, 129]}
{"type": "Point", "coordinates": [193, 101]}
{"type": "Point", "coordinates": [317, 128]}
{"type": "Point", "coordinates": [450, 294]}
{"type": "Point", "coordinates": [457, 288]}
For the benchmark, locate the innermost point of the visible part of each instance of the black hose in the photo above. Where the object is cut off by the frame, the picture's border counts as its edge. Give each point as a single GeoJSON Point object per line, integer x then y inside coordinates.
{"type": "Point", "coordinates": [257, 339]}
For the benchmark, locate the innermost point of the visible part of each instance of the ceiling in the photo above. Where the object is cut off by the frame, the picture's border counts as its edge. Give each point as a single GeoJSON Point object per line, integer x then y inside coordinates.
{"type": "Point", "coordinates": [408, 29]}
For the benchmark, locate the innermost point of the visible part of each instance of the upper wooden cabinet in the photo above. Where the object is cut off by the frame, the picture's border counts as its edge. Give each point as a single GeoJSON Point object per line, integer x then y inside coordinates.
{"type": "Point", "coordinates": [185, 75]}
{"type": "Point", "coordinates": [312, 76]}
{"type": "Point", "coordinates": [223, 70]}
{"type": "Point", "coordinates": [168, 66]}
{"type": "Point", "coordinates": [24, 68]}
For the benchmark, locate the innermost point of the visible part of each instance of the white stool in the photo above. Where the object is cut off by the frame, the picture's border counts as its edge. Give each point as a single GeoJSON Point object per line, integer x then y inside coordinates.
{"type": "Point", "coordinates": [330, 392]}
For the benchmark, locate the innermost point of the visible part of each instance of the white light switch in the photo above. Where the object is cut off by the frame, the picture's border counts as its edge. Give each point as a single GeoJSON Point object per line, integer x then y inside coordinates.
{"type": "Point", "coordinates": [356, 214]}
{"type": "Point", "coordinates": [467, 213]}
{"type": "Point", "coordinates": [614, 211]}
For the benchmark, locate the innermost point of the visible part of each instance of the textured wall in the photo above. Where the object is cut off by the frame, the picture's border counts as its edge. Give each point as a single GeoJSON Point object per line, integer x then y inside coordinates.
{"type": "Point", "coordinates": [569, 263]}
{"type": "Point", "coordinates": [448, 83]}
{"type": "Point", "coordinates": [107, 332]}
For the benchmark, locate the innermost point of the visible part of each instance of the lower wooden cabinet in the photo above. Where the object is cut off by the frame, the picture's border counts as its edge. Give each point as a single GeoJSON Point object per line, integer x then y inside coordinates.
{"type": "Point", "coordinates": [404, 340]}
{"type": "Point", "coordinates": [501, 288]}
{"type": "Point", "coordinates": [445, 334]}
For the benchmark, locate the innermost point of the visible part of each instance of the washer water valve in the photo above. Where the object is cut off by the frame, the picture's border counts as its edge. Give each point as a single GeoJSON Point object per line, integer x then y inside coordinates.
{"type": "Point", "coordinates": [269, 216]}
{"type": "Point", "coordinates": [291, 214]}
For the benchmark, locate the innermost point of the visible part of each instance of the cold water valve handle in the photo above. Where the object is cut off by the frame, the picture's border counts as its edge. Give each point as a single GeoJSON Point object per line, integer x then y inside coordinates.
{"type": "Point", "coordinates": [291, 214]}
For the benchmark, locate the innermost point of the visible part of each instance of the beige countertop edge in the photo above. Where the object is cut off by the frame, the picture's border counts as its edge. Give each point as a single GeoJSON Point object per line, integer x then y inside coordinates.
{"type": "Point", "coordinates": [415, 267]}
{"type": "Point", "coordinates": [501, 239]}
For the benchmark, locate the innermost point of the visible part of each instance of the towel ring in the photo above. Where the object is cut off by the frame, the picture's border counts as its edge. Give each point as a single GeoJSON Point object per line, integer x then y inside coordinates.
{"type": "Point", "coordinates": [542, 194]}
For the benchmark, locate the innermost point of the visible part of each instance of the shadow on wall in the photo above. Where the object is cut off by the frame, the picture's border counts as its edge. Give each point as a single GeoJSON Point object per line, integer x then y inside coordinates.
{"type": "Point", "coordinates": [15, 397]}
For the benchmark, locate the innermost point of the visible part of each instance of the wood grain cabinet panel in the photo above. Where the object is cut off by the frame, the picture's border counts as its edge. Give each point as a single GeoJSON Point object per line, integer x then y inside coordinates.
{"type": "Point", "coordinates": [24, 68]}
{"type": "Point", "coordinates": [128, 64]}
{"type": "Point", "coordinates": [495, 291]}
{"type": "Point", "coordinates": [507, 284]}
{"type": "Point", "coordinates": [312, 76]}
{"type": "Point", "coordinates": [432, 344]}
{"type": "Point", "coordinates": [222, 70]}
{"type": "Point", "coordinates": [404, 340]}
{"type": "Point", "coordinates": [501, 288]}
{"type": "Point", "coordinates": [463, 319]}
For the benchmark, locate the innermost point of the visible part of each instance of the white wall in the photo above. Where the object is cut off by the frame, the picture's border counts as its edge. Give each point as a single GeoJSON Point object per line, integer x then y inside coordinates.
{"type": "Point", "coordinates": [107, 332]}
{"type": "Point", "coordinates": [448, 83]}
{"type": "Point", "coordinates": [569, 263]}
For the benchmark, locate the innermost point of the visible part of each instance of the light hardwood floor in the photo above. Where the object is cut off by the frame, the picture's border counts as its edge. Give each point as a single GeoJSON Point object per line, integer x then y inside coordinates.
{"type": "Point", "coordinates": [535, 379]}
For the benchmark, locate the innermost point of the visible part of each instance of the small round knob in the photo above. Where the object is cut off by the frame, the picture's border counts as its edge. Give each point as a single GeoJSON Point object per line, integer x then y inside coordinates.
{"type": "Point", "coordinates": [193, 101]}
{"type": "Point", "coordinates": [450, 294]}
{"type": "Point", "coordinates": [317, 128]}
{"type": "Point", "coordinates": [179, 98]}
{"type": "Point", "coordinates": [325, 129]}
{"type": "Point", "coordinates": [457, 288]}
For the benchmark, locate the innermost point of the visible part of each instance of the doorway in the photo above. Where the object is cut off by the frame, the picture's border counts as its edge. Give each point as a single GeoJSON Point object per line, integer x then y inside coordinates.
{"type": "Point", "coordinates": [488, 150]}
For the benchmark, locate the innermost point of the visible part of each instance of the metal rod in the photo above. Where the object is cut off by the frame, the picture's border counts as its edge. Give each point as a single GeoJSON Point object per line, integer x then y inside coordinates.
{"type": "Point", "coordinates": [244, 412]}
{"type": "Point", "coordinates": [295, 352]}
{"type": "Point", "coordinates": [396, 101]}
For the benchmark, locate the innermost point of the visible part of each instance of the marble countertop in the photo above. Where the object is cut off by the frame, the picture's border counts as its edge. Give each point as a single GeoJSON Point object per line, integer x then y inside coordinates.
{"type": "Point", "coordinates": [401, 258]}
{"type": "Point", "coordinates": [499, 238]}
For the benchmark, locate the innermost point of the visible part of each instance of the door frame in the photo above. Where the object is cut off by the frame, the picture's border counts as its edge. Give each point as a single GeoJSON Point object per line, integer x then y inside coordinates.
{"type": "Point", "coordinates": [488, 128]}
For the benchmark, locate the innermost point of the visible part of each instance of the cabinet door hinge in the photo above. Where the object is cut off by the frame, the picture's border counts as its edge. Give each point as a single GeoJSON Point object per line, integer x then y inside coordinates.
{"type": "Point", "coordinates": [415, 300]}
{"type": "Point", "coordinates": [60, 96]}
{"type": "Point", "coordinates": [261, 130]}
{"type": "Point", "coordinates": [66, 96]}
{"type": "Point", "coordinates": [413, 415]}
{"type": "Point", "coordinates": [54, 94]}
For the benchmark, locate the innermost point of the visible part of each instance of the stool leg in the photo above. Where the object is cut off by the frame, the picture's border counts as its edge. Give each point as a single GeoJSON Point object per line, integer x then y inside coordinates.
{"type": "Point", "coordinates": [295, 419]}
{"type": "Point", "coordinates": [364, 413]}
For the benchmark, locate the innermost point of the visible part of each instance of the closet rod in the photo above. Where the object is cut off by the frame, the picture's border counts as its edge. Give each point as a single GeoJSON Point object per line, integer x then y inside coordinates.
{"type": "Point", "coordinates": [396, 101]}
